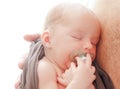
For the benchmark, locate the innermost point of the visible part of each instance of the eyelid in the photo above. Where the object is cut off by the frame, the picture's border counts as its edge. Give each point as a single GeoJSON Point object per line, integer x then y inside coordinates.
{"type": "Point", "coordinates": [79, 38]}
{"type": "Point", "coordinates": [94, 42]}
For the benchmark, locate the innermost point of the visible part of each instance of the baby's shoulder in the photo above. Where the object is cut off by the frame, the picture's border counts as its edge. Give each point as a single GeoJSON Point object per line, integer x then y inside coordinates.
{"type": "Point", "coordinates": [46, 71]}
{"type": "Point", "coordinates": [45, 67]}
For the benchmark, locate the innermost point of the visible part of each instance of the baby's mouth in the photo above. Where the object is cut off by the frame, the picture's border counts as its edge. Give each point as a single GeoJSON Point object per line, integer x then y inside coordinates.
{"type": "Point", "coordinates": [80, 54]}
{"type": "Point", "coordinates": [82, 57]}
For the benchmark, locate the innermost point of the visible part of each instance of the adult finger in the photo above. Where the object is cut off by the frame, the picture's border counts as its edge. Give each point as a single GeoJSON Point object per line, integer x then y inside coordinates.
{"type": "Point", "coordinates": [21, 64]}
{"type": "Point", "coordinates": [17, 82]}
{"type": "Point", "coordinates": [16, 85]}
{"type": "Point", "coordinates": [22, 61]}
{"type": "Point", "coordinates": [31, 37]}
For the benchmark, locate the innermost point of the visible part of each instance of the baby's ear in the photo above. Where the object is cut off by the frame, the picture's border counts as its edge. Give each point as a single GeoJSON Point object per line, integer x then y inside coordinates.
{"type": "Point", "coordinates": [45, 37]}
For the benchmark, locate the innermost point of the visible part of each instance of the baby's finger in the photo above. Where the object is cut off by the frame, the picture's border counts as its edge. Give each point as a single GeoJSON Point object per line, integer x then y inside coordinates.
{"type": "Point", "coordinates": [72, 66]}
{"type": "Point", "coordinates": [94, 77]}
{"type": "Point", "coordinates": [93, 69]}
{"type": "Point", "coordinates": [79, 61]}
{"type": "Point", "coordinates": [88, 60]}
{"type": "Point", "coordinates": [91, 86]}
{"type": "Point", "coordinates": [61, 81]}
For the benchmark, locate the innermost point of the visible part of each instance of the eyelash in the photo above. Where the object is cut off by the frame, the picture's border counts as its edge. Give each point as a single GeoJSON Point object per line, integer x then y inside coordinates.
{"type": "Point", "coordinates": [79, 38]}
{"type": "Point", "coordinates": [94, 43]}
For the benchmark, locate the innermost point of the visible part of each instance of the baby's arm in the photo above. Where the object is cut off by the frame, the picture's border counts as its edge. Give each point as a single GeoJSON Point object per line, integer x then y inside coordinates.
{"type": "Point", "coordinates": [82, 76]}
{"type": "Point", "coordinates": [47, 76]}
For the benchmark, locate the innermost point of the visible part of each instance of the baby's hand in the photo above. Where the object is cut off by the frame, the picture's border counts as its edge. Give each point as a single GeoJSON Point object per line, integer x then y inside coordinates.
{"type": "Point", "coordinates": [91, 86]}
{"type": "Point", "coordinates": [84, 72]}
{"type": "Point", "coordinates": [67, 76]}
{"type": "Point", "coordinates": [82, 75]}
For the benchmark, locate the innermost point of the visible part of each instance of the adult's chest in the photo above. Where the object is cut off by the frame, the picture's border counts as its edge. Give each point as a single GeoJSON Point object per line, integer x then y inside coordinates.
{"type": "Point", "coordinates": [108, 53]}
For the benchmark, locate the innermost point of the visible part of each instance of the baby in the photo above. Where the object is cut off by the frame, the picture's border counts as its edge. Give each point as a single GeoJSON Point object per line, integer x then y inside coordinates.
{"type": "Point", "coordinates": [54, 61]}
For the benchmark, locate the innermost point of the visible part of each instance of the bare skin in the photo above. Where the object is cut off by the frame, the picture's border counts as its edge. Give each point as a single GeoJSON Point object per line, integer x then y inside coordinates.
{"type": "Point", "coordinates": [31, 37]}
{"type": "Point", "coordinates": [109, 47]}
{"type": "Point", "coordinates": [81, 31]}
{"type": "Point", "coordinates": [66, 77]}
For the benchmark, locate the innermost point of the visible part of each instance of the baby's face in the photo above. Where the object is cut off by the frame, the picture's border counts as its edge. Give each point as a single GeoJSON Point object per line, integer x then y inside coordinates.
{"type": "Point", "coordinates": [79, 34]}
{"type": "Point", "coordinates": [86, 30]}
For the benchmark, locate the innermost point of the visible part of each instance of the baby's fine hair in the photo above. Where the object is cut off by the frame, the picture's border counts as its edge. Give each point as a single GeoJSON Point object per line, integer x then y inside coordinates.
{"type": "Point", "coordinates": [29, 76]}
{"type": "Point", "coordinates": [60, 13]}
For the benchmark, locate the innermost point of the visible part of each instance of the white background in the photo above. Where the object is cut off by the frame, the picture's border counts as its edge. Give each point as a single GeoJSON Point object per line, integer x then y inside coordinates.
{"type": "Point", "coordinates": [19, 17]}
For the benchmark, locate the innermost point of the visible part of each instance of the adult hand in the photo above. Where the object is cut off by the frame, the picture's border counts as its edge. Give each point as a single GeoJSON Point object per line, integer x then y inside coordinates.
{"type": "Point", "coordinates": [29, 38]}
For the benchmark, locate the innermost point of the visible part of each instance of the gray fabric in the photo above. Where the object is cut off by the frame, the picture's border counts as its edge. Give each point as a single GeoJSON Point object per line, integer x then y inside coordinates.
{"type": "Point", "coordinates": [29, 77]}
{"type": "Point", "coordinates": [102, 80]}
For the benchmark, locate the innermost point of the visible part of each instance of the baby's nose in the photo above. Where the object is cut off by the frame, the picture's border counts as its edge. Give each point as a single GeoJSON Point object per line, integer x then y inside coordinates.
{"type": "Point", "coordinates": [87, 45]}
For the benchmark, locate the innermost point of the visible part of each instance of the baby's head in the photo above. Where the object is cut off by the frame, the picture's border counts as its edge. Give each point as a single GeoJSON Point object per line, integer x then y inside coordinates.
{"type": "Point", "coordinates": [70, 28]}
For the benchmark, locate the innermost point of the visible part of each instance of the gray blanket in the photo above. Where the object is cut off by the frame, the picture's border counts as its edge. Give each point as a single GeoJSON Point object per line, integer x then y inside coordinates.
{"type": "Point", "coordinates": [102, 80]}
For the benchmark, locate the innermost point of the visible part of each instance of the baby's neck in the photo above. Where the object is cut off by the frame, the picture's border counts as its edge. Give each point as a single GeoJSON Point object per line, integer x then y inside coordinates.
{"type": "Point", "coordinates": [58, 69]}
